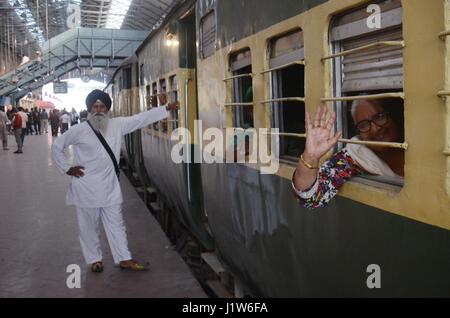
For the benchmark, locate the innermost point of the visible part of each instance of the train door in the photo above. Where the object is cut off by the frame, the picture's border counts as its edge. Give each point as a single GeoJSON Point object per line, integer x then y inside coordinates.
{"type": "Point", "coordinates": [186, 93]}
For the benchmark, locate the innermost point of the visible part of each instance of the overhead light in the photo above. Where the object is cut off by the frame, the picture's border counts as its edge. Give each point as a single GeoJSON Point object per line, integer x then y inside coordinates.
{"type": "Point", "coordinates": [171, 40]}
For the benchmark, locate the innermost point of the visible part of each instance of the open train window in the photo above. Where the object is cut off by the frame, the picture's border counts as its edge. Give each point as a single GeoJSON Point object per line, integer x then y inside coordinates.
{"type": "Point", "coordinates": [368, 70]}
{"type": "Point", "coordinates": [163, 91]}
{"type": "Point", "coordinates": [241, 68]}
{"type": "Point", "coordinates": [287, 80]}
{"type": "Point", "coordinates": [174, 98]}
{"type": "Point", "coordinates": [208, 35]}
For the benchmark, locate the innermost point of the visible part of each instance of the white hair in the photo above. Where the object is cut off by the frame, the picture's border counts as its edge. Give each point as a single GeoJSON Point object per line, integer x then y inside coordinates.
{"type": "Point", "coordinates": [99, 121]}
{"type": "Point", "coordinates": [356, 103]}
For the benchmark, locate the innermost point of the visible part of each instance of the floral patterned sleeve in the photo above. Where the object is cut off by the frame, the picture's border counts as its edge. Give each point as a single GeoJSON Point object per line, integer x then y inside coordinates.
{"type": "Point", "coordinates": [332, 175]}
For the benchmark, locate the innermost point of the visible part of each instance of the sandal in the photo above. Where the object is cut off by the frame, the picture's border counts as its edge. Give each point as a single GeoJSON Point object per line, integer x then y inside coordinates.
{"type": "Point", "coordinates": [134, 266]}
{"type": "Point", "coordinates": [97, 267]}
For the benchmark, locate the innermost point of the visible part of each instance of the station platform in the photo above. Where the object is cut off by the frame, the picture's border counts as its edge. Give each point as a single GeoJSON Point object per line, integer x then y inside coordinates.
{"type": "Point", "coordinates": [39, 237]}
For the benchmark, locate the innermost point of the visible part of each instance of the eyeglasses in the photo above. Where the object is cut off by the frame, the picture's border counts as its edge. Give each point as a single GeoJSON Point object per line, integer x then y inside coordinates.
{"type": "Point", "coordinates": [380, 119]}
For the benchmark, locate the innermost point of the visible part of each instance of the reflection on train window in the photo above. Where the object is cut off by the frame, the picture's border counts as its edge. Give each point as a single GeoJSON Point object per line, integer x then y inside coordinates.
{"type": "Point", "coordinates": [126, 78]}
{"type": "Point", "coordinates": [287, 84]}
{"type": "Point", "coordinates": [242, 89]}
{"type": "Point", "coordinates": [141, 75]}
{"type": "Point", "coordinates": [163, 91]}
{"type": "Point", "coordinates": [208, 35]}
{"type": "Point", "coordinates": [174, 98]}
{"type": "Point", "coordinates": [154, 101]}
{"type": "Point", "coordinates": [148, 97]}
{"type": "Point", "coordinates": [374, 66]}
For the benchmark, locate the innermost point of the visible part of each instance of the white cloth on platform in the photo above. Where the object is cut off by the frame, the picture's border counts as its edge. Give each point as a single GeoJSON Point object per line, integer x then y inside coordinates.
{"type": "Point", "coordinates": [89, 225]}
{"type": "Point", "coordinates": [99, 186]}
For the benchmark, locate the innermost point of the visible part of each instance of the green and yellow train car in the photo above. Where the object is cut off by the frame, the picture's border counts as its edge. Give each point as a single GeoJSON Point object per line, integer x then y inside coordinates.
{"type": "Point", "coordinates": [292, 56]}
{"type": "Point", "coordinates": [263, 64]}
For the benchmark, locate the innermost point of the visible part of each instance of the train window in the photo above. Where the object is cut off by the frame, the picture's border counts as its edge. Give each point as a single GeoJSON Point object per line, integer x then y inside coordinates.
{"type": "Point", "coordinates": [141, 75]}
{"type": "Point", "coordinates": [174, 98]}
{"type": "Point", "coordinates": [241, 69]}
{"type": "Point", "coordinates": [154, 101]}
{"type": "Point", "coordinates": [208, 34]}
{"type": "Point", "coordinates": [163, 91]}
{"type": "Point", "coordinates": [126, 78]}
{"type": "Point", "coordinates": [148, 97]}
{"type": "Point", "coordinates": [287, 76]}
{"type": "Point", "coordinates": [368, 68]}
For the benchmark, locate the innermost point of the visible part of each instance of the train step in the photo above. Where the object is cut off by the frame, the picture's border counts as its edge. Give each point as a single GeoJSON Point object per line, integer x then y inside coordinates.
{"type": "Point", "coordinates": [213, 262]}
{"type": "Point", "coordinates": [155, 207]}
{"type": "Point", "coordinates": [218, 289]}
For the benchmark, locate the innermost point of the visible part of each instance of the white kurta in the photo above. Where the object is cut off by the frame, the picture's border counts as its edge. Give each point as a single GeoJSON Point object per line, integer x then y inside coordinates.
{"type": "Point", "coordinates": [99, 186]}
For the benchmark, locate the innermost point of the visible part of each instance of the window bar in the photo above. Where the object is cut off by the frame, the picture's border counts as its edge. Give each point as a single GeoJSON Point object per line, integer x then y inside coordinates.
{"type": "Point", "coordinates": [284, 99]}
{"type": "Point", "coordinates": [301, 62]}
{"type": "Point", "coordinates": [444, 34]}
{"type": "Point", "coordinates": [238, 104]}
{"type": "Point", "coordinates": [403, 145]}
{"type": "Point", "coordinates": [154, 95]}
{"type": "Point", "coordinates": [374, 96]}
{"type": "Point", "coordinates": [365, 47]}
{"type": "Point", "coordinates": [238, 76]}
{"type": "Point", "coordinates": [443, 93]}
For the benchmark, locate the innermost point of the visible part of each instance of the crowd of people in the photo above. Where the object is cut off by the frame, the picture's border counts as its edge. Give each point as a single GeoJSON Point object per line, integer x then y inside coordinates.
{"type": "Point", "coordinates": [22, 122]}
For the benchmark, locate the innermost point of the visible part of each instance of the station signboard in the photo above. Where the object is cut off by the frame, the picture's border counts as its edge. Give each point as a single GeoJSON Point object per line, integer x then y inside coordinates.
{"type": "Point", "coordinates": [60, 87]}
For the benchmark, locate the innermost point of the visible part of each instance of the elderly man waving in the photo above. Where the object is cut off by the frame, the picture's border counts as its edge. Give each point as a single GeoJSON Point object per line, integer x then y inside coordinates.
{"type": "Point", "coordinates": [95, 188]}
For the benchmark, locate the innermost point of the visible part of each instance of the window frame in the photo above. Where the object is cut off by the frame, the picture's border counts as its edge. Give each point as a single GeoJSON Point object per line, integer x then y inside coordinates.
{"type": "Point", "coordinates": [337, 73]}
{"type": "Point", "coordinates": [276, 66]}
{"type": "Point", "coordinates": [237, 93]}
{"type": "Point", "coordinates": [211, 13]}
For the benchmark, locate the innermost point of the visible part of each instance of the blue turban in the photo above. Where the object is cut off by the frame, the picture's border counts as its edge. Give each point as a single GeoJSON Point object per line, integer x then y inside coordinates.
{"type": "Point", "coordinates": [97, 95]}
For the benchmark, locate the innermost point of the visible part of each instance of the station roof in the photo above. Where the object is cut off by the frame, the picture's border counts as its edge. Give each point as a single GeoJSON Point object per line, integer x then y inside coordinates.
{"type": "Point", "coordinates": [27, 24]}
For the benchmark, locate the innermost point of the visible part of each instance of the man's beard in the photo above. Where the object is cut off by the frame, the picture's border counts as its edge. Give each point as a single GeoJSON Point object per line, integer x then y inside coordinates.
{"type": "Point", "coordinates": [99, 121]}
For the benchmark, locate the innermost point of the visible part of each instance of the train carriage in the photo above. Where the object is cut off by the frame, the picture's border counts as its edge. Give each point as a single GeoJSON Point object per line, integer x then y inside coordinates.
{"type": "Point", "coordinates": [294, 56]}
{"type": "Point", "coordinates": [263, 64]}
{"type": "Point", "coordinates": [165, 64]}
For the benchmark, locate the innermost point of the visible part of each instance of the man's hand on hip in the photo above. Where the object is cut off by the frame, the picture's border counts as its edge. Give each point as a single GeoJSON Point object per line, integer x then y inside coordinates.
{"type": "Point", "coordinates": [75, 171]}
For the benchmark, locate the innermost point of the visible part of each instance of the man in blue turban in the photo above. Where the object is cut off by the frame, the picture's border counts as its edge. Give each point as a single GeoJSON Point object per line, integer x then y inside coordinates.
{"type": "Point", "coordinates": [95, 189]}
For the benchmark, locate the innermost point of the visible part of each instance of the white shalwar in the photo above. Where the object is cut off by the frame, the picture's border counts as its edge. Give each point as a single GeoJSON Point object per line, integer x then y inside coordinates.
{"type": "Point", "coordinates": [97, 195]}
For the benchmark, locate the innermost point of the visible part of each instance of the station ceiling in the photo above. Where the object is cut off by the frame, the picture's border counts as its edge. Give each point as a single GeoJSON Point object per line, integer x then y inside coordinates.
{"type": "Point", "coordinates": [25, 25]}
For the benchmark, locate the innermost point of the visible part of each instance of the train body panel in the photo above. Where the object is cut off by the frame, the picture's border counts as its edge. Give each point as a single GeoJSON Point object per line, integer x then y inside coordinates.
{"type": "Point", "coordinates": [170, 70]}
{"type": "Point", "coordinates": [279, 249]}
{"type": "Point", "coordinates": [272, 245]}
{"type": "Point", "coordinates": [267, 239]}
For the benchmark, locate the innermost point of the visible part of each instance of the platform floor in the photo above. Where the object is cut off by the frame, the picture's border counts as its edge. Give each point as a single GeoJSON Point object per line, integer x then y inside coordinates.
{"type": "Point", "coordinates": [39, 237]}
